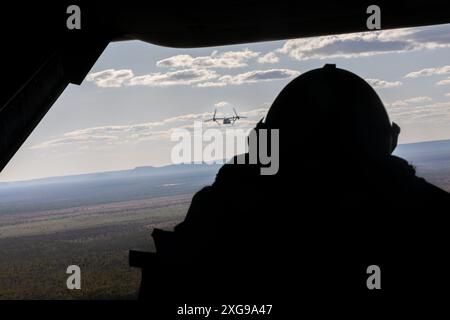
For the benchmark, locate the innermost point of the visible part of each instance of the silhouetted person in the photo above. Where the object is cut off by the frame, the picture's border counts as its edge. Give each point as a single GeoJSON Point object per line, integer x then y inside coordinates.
{"type": "Point", "coordinates": [339, 203]}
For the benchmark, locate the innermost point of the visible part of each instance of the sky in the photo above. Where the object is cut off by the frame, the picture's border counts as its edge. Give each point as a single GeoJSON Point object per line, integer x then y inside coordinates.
{"type": "Point", "coordinates": [136, 94]}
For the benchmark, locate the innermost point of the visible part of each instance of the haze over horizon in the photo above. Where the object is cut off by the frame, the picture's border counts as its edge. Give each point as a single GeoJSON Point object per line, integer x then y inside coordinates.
{"type": "Point", "coordinates": [400, 151]}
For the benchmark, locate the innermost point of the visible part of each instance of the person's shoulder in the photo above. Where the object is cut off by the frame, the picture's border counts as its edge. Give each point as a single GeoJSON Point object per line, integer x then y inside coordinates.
{"type": "Point", "coordinates": [400, 167]}
{"type": "Point", "coordinates": [406, 173]}
{"type": "Point", "coordinates": [239, 168]}
{"type": "Point", "coordinates": [431, 191]}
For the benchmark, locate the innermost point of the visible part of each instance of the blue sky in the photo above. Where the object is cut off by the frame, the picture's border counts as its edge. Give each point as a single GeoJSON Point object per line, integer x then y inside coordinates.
{"type": "Point", "coordinates": [137, 93]}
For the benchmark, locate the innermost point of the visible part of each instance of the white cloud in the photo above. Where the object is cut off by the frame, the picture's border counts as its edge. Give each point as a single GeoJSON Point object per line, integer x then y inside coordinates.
{"type": "Point", "coordinates": [260, 75]}
{"type": "Point", "coordinates": [210, 84]}
{"type": "Point", "coordinates": [221, 104]}
{"type": "Point", "coordinates": [406, 102]}
{"type": "Point", "coordinates": [228, 60]}
{"type": "Point", "coordinates": [383, 84]}
{"type": "Point", "coordinates": [429, 72]}
{"type": "Point", "coordinates": [199, 77]}
{"type": "Point", "coordinates": [418, 99]}
{"type": "Point", "coordinates": [270, 57]}
{"type": "Point", "coordinates": [179, 77]}
{"type": "Point", "coordinates": [80, 140]}
{"type": "Point", "coordinates": [367, 43]}
{"type": "Point", "coordinates": [157, 130]}
{"type": "Point", "coordinates": [110, 78]}
{"type": "Point", "coordinates": [252, 77]}
{"type": "Point", "coordinates": [435, 113]}
{"type": "Point", "coordinates": [398, 103]}
{"type": "Point", "coordinates": [444, 82]}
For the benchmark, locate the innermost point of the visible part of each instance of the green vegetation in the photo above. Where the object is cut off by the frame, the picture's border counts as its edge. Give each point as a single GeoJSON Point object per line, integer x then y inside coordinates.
{"type": "Point", "coordinates": [35, 252]}
{"type": "Point", "coordinates": [93, 220]}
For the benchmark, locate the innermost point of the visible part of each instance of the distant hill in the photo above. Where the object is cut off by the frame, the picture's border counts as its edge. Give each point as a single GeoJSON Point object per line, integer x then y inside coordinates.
{"type": "Point", "coordinates": [104, 187]}
{"type": "Point", "coordinates": [431, 159]}
{"type": "Point", "coordinates": [144, 171]}
{"type": "Point", "coordinates": [427, 155]}
{"type": "Point", "coordinates": [430, 154]}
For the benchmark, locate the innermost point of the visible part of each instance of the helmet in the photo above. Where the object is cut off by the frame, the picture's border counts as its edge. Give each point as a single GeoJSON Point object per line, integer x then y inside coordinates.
{"type": "Point", "coordinates": [333, 110]}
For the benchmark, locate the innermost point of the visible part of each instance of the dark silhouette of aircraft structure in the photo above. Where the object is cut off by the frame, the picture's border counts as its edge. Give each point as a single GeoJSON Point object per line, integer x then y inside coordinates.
{"type": "Point", "coordinates": [307, 232]}
{"type": "Point", "coordinates": [226, 120]}
{"type": "Point", "coordinates": [44, 57]}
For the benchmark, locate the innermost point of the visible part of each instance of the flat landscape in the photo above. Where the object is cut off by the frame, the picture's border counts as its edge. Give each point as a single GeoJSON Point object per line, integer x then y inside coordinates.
{"type": "Point", "coordinates": [90, 221]}
{"type": "Point", "coordinates": [93, 220]}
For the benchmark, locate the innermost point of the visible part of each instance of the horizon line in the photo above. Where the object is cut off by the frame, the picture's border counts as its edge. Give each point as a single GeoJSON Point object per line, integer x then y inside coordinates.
{"type": "Point", "coordinates": [154, 166]}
